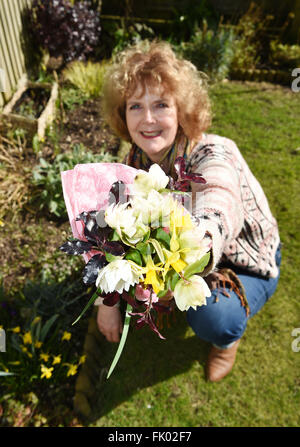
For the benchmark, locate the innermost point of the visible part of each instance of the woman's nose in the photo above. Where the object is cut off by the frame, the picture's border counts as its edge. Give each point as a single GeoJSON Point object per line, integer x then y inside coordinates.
{"type": "Point", "coordinates": [149, 116]}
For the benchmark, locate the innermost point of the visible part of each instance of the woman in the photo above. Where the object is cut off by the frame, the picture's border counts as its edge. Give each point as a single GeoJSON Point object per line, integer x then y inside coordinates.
{"type": "Point", "coordinates": [160, 104]}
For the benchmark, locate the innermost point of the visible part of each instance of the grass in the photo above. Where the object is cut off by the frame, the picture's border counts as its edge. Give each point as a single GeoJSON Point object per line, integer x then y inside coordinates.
{"type": "Point", "coordinates": [161, 383]}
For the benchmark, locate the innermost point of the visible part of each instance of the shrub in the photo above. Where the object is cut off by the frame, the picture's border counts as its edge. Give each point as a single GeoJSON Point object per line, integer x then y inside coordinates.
{"type": "Point", "coordinates": [63, 29]}
{"type": "Point", "coordinates": [210, 51]}
{"type": "Point", "coordinates": [46, 177]}
{"type": "Point", "coordinates": [87, 77]}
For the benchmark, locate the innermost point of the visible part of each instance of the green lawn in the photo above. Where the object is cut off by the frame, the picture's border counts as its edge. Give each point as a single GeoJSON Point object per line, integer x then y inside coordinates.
{"type": "Point", "coordinates": [161, 383]}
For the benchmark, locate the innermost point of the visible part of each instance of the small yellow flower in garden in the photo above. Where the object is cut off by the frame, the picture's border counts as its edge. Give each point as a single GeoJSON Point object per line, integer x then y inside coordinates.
{"type": "Point", "coordinates": [56, 359]}
{"type": "Point", "coordinates": [82, 359]}
{"type": "Point", "coordinates": [38, 344]}
{"type": "Point", "coordinates": [66, 336]}
{"type": "Point", "coordinates": [24, 349]}
{"type": "Point", "coordinates": [44, 356]}
{"type": "Point", "coordinates": [36, 320]}
{"type": "Point", "coordinates": [27, 340]}
{"type": "Point", "coordinates": [1, 223]}
{"type": "Point", "coordinates": [16, 329]}
{"type": "Point", "coordinates": [72, 369]}
{"type": "Point", "coordinates": [29, 354]}
{"type": "Point", "coordinates": [46, 372]}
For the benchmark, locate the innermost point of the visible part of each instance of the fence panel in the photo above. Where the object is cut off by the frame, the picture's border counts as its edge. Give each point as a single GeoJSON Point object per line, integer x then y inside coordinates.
{"type": "Point", "coordinates": [12, 64]}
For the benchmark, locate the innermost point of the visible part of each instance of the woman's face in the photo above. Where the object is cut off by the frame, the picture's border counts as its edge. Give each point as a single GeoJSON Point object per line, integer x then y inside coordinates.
{"type": "Point", "coordinates": [152, 121]}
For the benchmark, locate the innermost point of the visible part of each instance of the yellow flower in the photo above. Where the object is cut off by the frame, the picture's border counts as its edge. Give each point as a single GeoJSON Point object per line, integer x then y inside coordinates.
{"type": "Point", "coordinates": [66, 336]}
{"type": "Point", "coordinates": [27, 340]}
{"type": "Point", "coordinates": [82, 359]}
{"type": "Point", "coordinates": [38, 344]}
{"type": "Point", "coordinates": [56, 359]}
{"type": "Point", "coordinates": [36, 320]}
{"type": "Point", "coordinates": [151, 276]}
{"type": "Point", "coordinates": [16, 329]}
{"type": "Point", "coordinates": [24, 349]}
{"type": "Point", "coordinates": [72, 369]}
{"type": "Point", "coordinates": [46, 372]}
{"type": "Point", "coordinates": [1, 223]}
{"type": "Point", "coordinates": [44, 357]}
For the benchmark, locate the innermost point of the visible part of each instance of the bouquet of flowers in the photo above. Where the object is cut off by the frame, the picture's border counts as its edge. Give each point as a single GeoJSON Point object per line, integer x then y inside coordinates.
{"type": "Point", "coordinates": [140, 243]}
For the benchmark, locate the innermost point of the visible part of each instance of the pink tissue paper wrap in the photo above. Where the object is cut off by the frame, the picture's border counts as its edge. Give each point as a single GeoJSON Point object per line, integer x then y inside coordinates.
{"type": "Point", "coordinates": [86, 188]}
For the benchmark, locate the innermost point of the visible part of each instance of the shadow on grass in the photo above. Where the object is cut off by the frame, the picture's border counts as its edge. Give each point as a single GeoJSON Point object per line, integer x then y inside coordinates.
{"type": "Point", "coordinates": [147, 360]}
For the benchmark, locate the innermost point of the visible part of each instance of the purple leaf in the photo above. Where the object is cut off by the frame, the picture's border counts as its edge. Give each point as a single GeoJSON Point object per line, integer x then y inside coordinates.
{"type": "Point", "coordinates": [76, 247]}
{"type": "Point", "coordinates": [91, 269]}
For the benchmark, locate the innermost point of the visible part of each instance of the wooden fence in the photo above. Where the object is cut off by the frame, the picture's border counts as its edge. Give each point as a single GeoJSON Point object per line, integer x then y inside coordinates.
{"type": "Point", "coordinates": [12, 63]}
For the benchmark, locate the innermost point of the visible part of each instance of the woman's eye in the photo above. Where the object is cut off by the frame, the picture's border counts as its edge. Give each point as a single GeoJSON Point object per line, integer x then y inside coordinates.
{"type": "Point", "coordinates": [134, 106]}
{"type": "Point", "coordinates": [162, 105]}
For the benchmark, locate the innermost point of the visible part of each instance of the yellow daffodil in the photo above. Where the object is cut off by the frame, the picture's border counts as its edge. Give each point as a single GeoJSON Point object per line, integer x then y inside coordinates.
{"type": "Point", "coordinates": [151, 275]}
{"type": "Point", "coordinates": [46, 372]}
{"type": "Point", "coordinates": [1, 223]}
{"type": "Point", "coordinates": [82, 359]}
{"type": "Point", "coordinates": [66, 336]}
{"type": "Point", "coordinates": [44, 356]}
{"type": "Point", "coordinates": [36, 320]}
{"type": "Point", "coordinates": [16, 329]}
{"type": "Point", "coordinates": [24, 349]}
{"type": "Point", "coordinates": [38, 344]}
{"type": "Point", "coordinates": [72, 369]}
{"type": "Point", "coordinates": [56, 359]}
{"type": "Point", "coordinates": [27, 339]}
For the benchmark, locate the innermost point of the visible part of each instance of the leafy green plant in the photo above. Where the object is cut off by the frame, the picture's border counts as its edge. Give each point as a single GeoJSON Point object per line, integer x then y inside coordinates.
{"type": "Point", "coordinates": [38, 347]}
{"type": "Point", "coordinates": [250, 38]}
{"type": "Point", "coordinates": [284, 55]}
{"type": "Point", "coordinates": [210, 51]}
{"type": "Point", "coordinates": [46, 177]}
{"type": "Point", "coordinates": [87, 77]}
{"type": "Point", "coordinates": [72, 97]}
{"type": "Point", "coordinates": [125, 35]}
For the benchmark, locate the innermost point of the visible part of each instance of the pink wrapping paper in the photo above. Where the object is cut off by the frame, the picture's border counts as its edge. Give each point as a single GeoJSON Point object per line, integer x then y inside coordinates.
{"type": "Point", "coordinates": [86, 188]}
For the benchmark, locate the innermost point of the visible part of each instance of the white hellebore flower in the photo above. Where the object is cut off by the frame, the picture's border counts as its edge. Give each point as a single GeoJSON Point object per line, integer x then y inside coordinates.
{"type": "Point", "coordinates": [117, 276]}
{"type": "Point", "coordinates": [193, 239]}
{"type": "Point", "coordinates": [121, 218]}
{"type": "Point", "coordinates": [153, 210]}
{"type": "Point", "coordinates": [155, 178]}
{"type": "Point", "coordinates": [191, 293]}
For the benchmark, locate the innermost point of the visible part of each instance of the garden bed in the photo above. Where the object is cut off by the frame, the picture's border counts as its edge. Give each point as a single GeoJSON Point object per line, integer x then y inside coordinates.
{"type": "Point", "coordinates": [32, 107]}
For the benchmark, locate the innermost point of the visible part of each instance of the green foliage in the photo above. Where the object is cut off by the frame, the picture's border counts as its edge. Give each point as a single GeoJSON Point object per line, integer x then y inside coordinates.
{"type": "Point", "coordinates": [38, 348]}
{"type": "Point", "coordinates": [250, 38]}
{"type": "Point", "coordinates": [72, 97]}
{"type": "Point", "coordinates": [87, 77]}
{"type": "Point", "coordinates": [130, 34]}
{"type": "Point", "coordinates": [210, 51]}
{"type": "Point", "coordinates": [284, 55]}
{"type": "Point", "coordinates": [46, 177]}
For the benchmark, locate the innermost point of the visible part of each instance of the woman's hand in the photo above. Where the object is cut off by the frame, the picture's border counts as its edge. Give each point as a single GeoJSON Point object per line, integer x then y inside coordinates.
{"type": "Point", "coordinates": [110, 322]}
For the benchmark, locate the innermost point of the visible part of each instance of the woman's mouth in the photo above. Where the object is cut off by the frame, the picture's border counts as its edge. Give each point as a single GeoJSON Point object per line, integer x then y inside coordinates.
{"type": "Point", "coordinates": [151, 134]}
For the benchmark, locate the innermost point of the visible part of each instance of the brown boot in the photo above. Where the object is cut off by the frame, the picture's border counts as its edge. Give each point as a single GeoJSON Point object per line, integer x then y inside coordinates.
{"type": "Point", "coordinates": [220, 362]}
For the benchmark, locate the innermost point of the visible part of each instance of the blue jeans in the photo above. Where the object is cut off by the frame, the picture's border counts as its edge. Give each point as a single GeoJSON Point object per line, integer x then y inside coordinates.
{"type": "Point", "coordinates": [224, 321]}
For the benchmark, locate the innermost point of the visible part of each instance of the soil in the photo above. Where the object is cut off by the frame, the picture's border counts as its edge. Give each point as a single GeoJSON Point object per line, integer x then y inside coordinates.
{"type": "Point", "coordinates": [84, 124]}
{"type": "Point", "coordinates": [32, 102]}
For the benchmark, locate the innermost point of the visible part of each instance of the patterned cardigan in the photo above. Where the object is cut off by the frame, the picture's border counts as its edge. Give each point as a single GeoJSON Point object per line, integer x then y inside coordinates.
{"type": "Point", "coordinates": [233, 208]}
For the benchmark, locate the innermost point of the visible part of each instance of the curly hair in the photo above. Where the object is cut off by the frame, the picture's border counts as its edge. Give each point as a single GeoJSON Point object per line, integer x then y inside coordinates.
{"type": "Point", "coordinates": [156, 64]}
